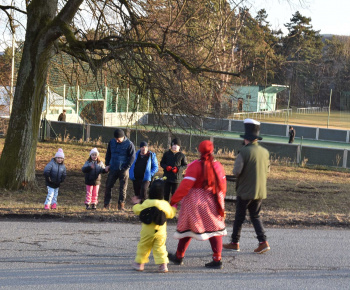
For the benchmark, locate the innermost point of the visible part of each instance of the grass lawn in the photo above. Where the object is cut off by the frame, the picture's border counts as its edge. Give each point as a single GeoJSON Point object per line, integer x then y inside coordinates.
{"type": "Point", "coordinates": [297, 196]}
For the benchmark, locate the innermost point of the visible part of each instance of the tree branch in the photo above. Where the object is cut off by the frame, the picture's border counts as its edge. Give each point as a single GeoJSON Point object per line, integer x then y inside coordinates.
{"type": "Point", "coordinates": [4, 8]}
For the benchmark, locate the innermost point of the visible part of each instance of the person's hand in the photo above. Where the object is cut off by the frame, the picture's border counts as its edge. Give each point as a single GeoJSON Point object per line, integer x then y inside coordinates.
{"type": "Point", "coordinates": [107, 168]}
{"type": "Point", "coordinates": [135, 200]}
{"type": "Point", "coordinates": [175, 169]}
{"type": "Point", "coordinates": [169, 168]}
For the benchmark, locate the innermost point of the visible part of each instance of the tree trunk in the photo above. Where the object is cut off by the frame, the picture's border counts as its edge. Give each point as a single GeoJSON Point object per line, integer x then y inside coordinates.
{"type": "Point", "coordinates": [17, 163]}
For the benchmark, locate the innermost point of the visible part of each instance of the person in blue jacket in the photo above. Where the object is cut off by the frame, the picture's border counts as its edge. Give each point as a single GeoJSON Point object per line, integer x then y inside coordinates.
{"type": "Point", "coordinates": [55, 173]}
{"type": "Point", "coordinates": [119, 158]}
{"type": "Point", "coordinates": [142, 170]}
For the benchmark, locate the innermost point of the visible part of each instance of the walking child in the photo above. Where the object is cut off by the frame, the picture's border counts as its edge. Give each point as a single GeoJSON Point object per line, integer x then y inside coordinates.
{"type": "Point", "coordinates": [55, 173]}
{"type": "Point", "coordinates": [93, 168]}
{"type": "Point", "coordinates": [153, 214]}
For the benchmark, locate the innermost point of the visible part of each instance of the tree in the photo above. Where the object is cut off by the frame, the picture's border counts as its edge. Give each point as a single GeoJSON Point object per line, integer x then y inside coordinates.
{"type": "Point", "coordinates": [302, 49]}
{"type": "Point", "coordinates": [167, 56]}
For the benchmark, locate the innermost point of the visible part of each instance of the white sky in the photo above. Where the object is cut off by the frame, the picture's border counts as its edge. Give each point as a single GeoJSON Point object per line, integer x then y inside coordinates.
{"type": "Point", "coordinates": [328, 16]}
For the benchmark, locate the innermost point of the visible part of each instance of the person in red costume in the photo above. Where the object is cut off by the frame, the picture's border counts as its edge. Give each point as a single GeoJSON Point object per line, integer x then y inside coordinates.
{"type": "Point", "coordinates": [202, 194]}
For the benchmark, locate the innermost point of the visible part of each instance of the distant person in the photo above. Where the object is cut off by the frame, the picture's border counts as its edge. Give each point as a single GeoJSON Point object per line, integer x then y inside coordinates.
{"type": "Point", "coordinates": [251, 168]}
{"type": "Point", "coordinates": [62, 116]}
{"type": "Point", "coordinates": [153, 213]}
{"type": "Point", "coordinates": [143, 170]}
{"type": "Point", "coordinates": [201, 193]}
{"type": "Point", "coordinates": [291, 134]}
{"type": "Point", "coordinates": [55, 173]}
{"type": "Point", "coordinates": [93, 168]}
{"type": "Point", "coordinates": [174, 163]}
{"type": "Point", "coordinates": [119, 158]}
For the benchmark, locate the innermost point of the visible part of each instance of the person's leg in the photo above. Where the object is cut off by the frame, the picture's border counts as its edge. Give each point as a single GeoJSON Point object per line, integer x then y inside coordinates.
{"type": "Point", "coordinates": [111, 179]}
{"type": "Point", "coordinates": [167, 191]}
{"type": "Point", "coordinates": [143, 190]}
{"type": "Point", "coordinates": [216, 246]}
{"type": "Point", "coordinates": [54, 199]}
{"type": "Point", "coordinates": [137, 187]}
{"type": "Point", "coordinates": [123, 186]}
{"type": "Point", "coordinates": [254, 208]}
{"type": "Point", "coordinates": [241, 208]}
{"type": "Point", "coordinates": [182, 247]}
{"type": "Point", "coordinates": [160, 253]}
{"type": "Point", "coordinates": [174, 186]}
{"type": "Point", "coordinates": [88, 194]}
{"type": "Point", "coordinates": [50, 193]}
{"type": "Point", "coordinates": [144, 248]}
{"type": "Point", "coordinates": [94, 197]}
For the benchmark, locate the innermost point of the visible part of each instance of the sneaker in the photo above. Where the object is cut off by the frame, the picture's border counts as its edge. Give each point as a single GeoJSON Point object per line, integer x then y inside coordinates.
{"type": "Point", "coordinates": [87, 206]}
{"type": "Point", "coordinates": [232, 246]}
{"type": "Point", "coordinates": [121, 206]}
{"type": "Point", "coordinates": [93, 206]}
{"type": "Point", "coordinates": [47, 206]}
{"type": "Point", "coordinates": [173, 258]}
{"type": "Point", "coordinates": [54, 206]}
{"type": "Point", "coordinates": [263, 247]}
{"type": "Point", "coordinates": [214, 265]}
{"type": "Point", "coordinates": [163, 268]}
{"type": "Point", "coordinates": [138, 267]}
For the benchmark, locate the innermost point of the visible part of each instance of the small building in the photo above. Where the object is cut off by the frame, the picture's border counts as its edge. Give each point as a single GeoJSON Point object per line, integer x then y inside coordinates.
{"type": "Point", "coordinates": [256, 98]}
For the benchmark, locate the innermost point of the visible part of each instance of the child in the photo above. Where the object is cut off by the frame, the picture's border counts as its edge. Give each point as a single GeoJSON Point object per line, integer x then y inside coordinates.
{"type": "Point", "coordinates": [55, 173]}
{"type": "Point", "coordinates": [153, 214]}
{"type": "Point", "coordinates": [93, 168]}
{"type": "Point", "coordinates": [174, 163]}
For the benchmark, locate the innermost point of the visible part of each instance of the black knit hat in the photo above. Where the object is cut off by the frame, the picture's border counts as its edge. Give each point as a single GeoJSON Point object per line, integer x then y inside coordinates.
{"type": "Point", "coordinates": [143, 144]}
{"type": "Point", "coordinates": [118, 133]}
{"type": "Point", "coordinates": [156, 190]}
{"type": "Point", "coordinates": [176, 141]}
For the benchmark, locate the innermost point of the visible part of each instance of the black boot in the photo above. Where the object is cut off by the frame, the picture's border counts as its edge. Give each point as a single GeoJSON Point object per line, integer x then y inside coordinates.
{"type": "Point", "coordinates": [214, 265]}
{"type": "Point", "coordinates": [93, 206]}
{"type": "Point", "coordinates": [173, 258]}
{"type": "Point", "coordinates": [87, 206]}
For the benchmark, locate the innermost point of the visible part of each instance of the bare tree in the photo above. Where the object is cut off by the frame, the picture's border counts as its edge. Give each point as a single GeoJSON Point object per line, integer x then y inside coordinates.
{"type": "Point", "coordinates": [159, 44]}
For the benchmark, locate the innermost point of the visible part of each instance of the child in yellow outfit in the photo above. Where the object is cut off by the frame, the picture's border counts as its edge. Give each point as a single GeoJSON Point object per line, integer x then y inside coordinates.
{"type": "Point", "coordinates": [153, 214]}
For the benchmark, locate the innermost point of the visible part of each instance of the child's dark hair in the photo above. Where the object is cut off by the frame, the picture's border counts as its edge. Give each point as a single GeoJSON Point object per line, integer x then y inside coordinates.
{"type": "Point", "coordinates": [156, 190]}
{"type": "Point", "coordinates": [98, 160]}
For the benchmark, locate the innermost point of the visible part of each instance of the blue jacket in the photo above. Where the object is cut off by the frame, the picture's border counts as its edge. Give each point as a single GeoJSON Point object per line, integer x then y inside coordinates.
{"type": "Point", "coordinates": [54, 173]}
{"type": "Point", "coordinates": [151, 167]}
{"type": "Point", "coordinates": [120, 156]}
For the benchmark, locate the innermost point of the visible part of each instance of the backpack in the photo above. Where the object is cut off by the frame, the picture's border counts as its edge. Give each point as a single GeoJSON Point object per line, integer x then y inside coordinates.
{"type": "Point", "coordinates": [152, 214]}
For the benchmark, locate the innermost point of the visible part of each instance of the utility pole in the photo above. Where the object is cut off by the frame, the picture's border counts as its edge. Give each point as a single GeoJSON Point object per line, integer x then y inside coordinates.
{"type": "Point", "coordinates": [329, 108]}
{"type": "Point", "coordinates": [12, 58]}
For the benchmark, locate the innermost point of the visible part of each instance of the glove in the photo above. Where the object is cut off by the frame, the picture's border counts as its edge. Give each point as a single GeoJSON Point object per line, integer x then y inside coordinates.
{"type": "Point", "coordinates": [175, 169]}
{"type": "Point", "coordinates": [169, 168]}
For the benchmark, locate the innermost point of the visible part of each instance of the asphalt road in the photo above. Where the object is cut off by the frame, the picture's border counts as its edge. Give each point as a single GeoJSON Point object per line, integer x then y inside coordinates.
{"type": "Point", "coordinates": [64, 255]}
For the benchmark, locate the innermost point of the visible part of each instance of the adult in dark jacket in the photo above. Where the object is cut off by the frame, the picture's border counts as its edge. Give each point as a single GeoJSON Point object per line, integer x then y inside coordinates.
{"type": "Point", "coordinates": [291, 134]}
{"type": "Point", "coordinates": [62, 116]}
{"type": "Point", "coordinates": [119, 158]}
{"type": "Point", "coordinates": [142, 170]}
{"type": "Point", "coordinates": [93, 168]}
{"type": "Point", "coordinates": [251, 168]}
{"type": "Point", "coordinates": [55, 173]}
{"type": "Point", "coordinates": [174, 163]}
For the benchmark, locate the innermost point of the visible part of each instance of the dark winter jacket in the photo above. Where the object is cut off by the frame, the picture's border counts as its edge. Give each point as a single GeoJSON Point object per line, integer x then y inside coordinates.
{"type": "Point", "coordinates": [172, 159]}
{"type": "Point", "coordinates": [151, 167]}
{"type": "Point", "coordinates": [54, 173]}
{"type": "Point", "coordinates": [93, 175]}
{"type": "Point", "coordinates": [120, 156]}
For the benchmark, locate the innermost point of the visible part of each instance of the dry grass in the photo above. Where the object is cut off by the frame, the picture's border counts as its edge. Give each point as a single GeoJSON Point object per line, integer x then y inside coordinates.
{"type": "Point", "coordinates": [296, 195]}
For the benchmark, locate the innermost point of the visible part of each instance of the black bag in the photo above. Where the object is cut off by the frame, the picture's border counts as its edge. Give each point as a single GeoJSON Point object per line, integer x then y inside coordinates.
{"type": "Point", "coordinates": [152, 214]}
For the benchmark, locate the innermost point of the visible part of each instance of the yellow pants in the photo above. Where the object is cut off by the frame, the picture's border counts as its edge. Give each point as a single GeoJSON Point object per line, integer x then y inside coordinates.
{"type": "Point", "coordinates": [152, 241]}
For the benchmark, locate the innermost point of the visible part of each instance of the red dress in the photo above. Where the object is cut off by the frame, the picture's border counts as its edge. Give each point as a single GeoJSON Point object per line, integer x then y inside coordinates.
{"type": "Point", "coordinates": [201, 213]}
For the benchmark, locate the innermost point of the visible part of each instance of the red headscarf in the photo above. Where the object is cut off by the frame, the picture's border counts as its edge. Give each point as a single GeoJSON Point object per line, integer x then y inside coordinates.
{"type": "Point", "coordinates": [206, 148]}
